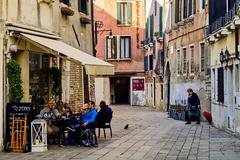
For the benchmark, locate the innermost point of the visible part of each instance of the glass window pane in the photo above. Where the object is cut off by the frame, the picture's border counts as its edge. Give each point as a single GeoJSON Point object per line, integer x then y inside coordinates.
{"type": "Point", "coordinates": [127, 45]}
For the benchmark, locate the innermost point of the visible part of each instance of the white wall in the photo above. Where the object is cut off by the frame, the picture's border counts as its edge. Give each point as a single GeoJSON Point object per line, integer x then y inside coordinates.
{"type": "Point", "coordinates": [102, 90]}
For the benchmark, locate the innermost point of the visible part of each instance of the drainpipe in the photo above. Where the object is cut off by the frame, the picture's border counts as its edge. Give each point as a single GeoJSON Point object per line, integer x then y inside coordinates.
{"type": "Point", "coordinates": [92, 23]}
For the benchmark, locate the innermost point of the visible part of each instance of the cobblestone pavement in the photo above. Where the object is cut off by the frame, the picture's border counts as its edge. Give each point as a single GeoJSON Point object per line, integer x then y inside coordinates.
{"type": "Point", "coordinates": [151, 136]}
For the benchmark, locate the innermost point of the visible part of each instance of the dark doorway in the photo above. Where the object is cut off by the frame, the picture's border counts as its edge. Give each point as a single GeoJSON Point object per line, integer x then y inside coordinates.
{"type": "Point", "coordinates": [121, 90]}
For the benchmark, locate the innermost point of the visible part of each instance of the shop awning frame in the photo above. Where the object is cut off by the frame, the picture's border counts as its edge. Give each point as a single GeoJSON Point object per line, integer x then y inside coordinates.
{"type": "Point", "coordinates": [93, 65]}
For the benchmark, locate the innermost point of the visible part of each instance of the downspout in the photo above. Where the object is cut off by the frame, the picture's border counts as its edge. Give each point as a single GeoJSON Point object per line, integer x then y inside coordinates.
{"type": "Point", "coordinates": [92, 21]}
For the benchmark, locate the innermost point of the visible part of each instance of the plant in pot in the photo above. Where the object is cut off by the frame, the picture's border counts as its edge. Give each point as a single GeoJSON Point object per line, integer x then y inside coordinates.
{"type": "Point", "coordinates": [17, 111]}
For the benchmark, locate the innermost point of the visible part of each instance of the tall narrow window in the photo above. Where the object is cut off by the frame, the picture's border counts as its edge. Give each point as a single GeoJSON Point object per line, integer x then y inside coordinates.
{"type": "Point", "coordinates": [125, 49]}
{"type": "Point", "coordinates": [150, 62]}
{"type": "Point", "coordinates": [184, 60]}
{"type": "Point", "coordinates": [201, 5]}
{"type": "Point", "coordinates": [178, 62]}
{"type": "Point", "coordinates": [111, 47]}
{"type": "Point", "coordinates": [192, 7]}
{"type": "Point", "coordinates": [161, 92]}
{"type": "Point", "coordinates": [161, 21]}
{"type": "Point", "coordinates": [124, 13]}
{"type": "Point", "coordinates": [146, 63]}
{"type": "Point", "coordinates": [202, 49]}
{"type": "Point", "coordinates": [237, 78]}
{"type": "Point", "coordinates": [177, 16]}
{"type": "Point", "coordinates": [151, 27]}
{"type": "Point", "coordinates": [170, 15]}
{"type": "Point", "coordinates": [155, 7]}
{"type": "Point", "coordinates": [185, 8]}
{"type": "Point", "coordinates": [220, 85]}
{"type": "Point", "coordinates": [192, 68]}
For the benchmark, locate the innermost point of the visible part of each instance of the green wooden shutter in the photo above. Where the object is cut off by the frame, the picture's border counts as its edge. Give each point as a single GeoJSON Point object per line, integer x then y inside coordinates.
{"type": "Point", "coordinates": [151, 28]}
{"type": "Point", "coordinates": [147, 24]}
{"type": "Point", "coordinates": [118, 13]}
{"type": "Point", "coordinates": [129, 13]}
{"type": "Point", "coordinates": [161, 21]}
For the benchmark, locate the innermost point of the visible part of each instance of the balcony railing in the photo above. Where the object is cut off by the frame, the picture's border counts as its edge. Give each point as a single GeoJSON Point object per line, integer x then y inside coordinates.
{"type": "Point", "coordinates": [223, 21]}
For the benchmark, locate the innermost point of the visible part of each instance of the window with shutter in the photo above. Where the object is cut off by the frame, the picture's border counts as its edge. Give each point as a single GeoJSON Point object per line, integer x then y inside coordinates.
{"type": "Point", "coordinates": [184, 60]}
{"type": "Point", "coordinates": [220, 85]}
{"type": "Point", "coordinates": [202, 48]}
{"type": "Point", "coordinates": [192, 68]}
{"type": "Point", "coordinates": [151, 27]}
{"type": "Point", "coordinates": [176, 11]}
{"type": "Point", "coordinates": [124, 13]}
{"type": "Point", "coordinates": [146, 63]}
{"type": "Point", "coordinates": [185, 8]}
{"type": "Point", "coordinates": [150, 62]}
{"type": "Point", "coordinates": [178, 62]}
{"type": "Point", "coordinates": [161, 21]}
{"type": "Point", "coordinates": [147, 28]}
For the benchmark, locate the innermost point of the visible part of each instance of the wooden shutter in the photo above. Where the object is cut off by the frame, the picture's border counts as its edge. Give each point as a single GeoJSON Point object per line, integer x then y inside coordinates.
{"type": "Point", "coordinates": [118, 13]}
{"type": "Point", "coordinates": [146, 63]}
{"type": "Point", "coordinates": [151, 28]}
{"type": "Point", "coordinates": [176, 11]}
{"type": "Point", "coordinates": [150, 62]}
{"type": "Point", "coordinates": [129, 13]}
{"type": "Point", "coordinates": [161, 21]}
{"type": "Point", "coordinates": [147, 27]}
{"type": "Point", "coordinates": [220, 87]}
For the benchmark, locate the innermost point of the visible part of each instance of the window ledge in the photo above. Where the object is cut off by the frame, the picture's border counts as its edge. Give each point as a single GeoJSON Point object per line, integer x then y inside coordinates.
{"type": "Point", "coordinates": [123, 59]}
{"type": "Point", "coordinates": [124, 25]}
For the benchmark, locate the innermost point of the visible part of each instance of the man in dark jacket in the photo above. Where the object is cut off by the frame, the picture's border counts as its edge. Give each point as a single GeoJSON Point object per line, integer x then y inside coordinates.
{"type": "Point", "coordinates": [193, 106]}
{"type": "Point", "coordinates": [105, 111]}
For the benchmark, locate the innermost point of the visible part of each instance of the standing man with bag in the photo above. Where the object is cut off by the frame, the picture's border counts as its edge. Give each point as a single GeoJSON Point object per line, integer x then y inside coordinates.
{"type": "Point", "coordinates": [193, 106]}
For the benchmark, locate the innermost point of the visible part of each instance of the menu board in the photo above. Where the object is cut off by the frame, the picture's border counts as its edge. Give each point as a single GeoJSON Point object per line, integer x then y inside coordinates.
{"type": "Point", "coordinates": [19, 110]}
{"type": "Point", "coordinates": [138, 84]}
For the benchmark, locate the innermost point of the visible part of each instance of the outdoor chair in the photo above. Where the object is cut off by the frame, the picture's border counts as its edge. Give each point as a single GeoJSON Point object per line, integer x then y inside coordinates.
{"type": "Point", "coordinates": [106, 123]}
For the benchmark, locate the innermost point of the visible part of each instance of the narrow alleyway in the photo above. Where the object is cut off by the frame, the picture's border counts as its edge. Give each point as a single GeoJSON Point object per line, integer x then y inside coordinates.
{"type": "Point", "coordinates": [151, 136]}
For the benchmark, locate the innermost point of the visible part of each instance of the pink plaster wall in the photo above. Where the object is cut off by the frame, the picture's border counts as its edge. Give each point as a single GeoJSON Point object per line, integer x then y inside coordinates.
{"type": "Point", "coordinates": [106, 11]}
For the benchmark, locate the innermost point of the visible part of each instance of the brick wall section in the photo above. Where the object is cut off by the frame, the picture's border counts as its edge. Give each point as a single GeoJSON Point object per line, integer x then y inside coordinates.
{"type": "Point", "coordinates": [76, 87]}
{"type": "Point", "coordinates": [92, 89]}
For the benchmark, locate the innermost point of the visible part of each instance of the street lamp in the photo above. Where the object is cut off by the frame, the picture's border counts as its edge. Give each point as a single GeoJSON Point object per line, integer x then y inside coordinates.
{"type": "Point", "coordinates": [98, 25]}
{"type": "Point", "coordinates": [222, 56]}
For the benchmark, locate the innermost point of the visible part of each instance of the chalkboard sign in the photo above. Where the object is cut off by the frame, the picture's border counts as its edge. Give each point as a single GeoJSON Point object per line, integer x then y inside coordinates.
{"type": "Point", "coordinates": [19, 110]}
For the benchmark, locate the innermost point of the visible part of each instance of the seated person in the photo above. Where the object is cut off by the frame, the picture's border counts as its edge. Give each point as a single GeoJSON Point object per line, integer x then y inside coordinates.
{"type": "Point", "coordinates": [49, 113]}
{"type": "Point", "coordinates": [86, 119]}
{"type": "Point", "coordinates": [105, 110]}
{"type": "Point", "coordinates": [60, 106]}
{"type": "Point", "coordinates": [68, 112]}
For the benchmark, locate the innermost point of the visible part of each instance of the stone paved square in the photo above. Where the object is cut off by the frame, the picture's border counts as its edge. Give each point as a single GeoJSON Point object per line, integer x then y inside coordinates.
{"type": "Point", "coordinates": [151, 136]}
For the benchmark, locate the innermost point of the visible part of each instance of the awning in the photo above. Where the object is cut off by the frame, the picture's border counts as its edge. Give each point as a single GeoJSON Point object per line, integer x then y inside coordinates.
{"type": "Point", "coordinates": [93, 65]}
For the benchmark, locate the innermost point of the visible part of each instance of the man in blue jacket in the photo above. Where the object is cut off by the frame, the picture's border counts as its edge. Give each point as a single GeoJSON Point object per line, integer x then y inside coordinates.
{"type": "Point", "coordinates": [85, 118]}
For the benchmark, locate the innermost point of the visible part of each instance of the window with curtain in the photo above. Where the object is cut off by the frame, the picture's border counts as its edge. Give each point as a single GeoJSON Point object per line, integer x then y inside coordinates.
{"type": "Point", "coordinates": [192, 68]}
{"type": "Point", "coordinates": [184, 60]}
{"type": "Point", "coordinates": [201, 5]}
{"type": "Point", "coordinates": [125, 49]}
{"type": "Point", "coordinates": [202, 48]}
{"type": "Point", "coordinates": [124, 13]}
{"type": "Point", "coordinates": [111, 47]}
{"type": "Point", "coordinates": [118, 47]}
{"type": "Point", "coordinates": [191, 7]}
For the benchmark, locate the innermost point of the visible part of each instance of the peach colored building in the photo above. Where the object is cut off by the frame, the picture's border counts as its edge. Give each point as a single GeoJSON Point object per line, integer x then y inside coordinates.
{"type": "Point", "coordinates": [187, 51]}
{"type": "Point", "coordinates": [120, 32]}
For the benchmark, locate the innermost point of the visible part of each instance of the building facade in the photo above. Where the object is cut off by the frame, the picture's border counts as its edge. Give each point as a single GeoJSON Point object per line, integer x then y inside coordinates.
{"type": "Point", "coordinates": [154, 54]}
{"type": "Point", "coordinates": [120, 29]}
{"type": "Point", "coordinates": [45, 34]}
{"type": "Point", "coordinates": [187, 51]}
{"type": "Point", "coordinates": [223, 36]}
